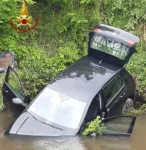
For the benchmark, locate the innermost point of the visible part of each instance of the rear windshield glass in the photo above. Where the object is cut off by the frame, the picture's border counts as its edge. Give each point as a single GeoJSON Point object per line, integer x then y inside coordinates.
{"type": "Point", "coordinates": [109, 46]}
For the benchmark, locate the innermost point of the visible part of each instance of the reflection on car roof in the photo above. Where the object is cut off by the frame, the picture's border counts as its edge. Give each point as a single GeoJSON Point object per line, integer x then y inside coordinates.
{"type": "Point", "coordinates": [83, 79]}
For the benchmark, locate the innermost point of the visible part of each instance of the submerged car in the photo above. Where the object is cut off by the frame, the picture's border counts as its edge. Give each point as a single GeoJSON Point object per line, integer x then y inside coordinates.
{"type": "Point", "coordinates": [95, 85]}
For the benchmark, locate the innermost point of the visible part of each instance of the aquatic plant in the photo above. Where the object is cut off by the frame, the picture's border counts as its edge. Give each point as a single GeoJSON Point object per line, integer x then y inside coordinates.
{"type": "Point", "coordinates": [94, 127]}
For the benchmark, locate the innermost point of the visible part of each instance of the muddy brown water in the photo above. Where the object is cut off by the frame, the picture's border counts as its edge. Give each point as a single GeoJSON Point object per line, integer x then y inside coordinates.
{"type": "Point", "coordinates": [136, 142]}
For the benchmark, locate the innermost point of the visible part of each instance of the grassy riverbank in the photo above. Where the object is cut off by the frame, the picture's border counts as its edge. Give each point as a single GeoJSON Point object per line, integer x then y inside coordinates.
{"type": "Point", "coordinates": [61, 36]}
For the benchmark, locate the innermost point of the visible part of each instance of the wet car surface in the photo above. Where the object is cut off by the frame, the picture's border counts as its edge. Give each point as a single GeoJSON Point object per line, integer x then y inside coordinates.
{"type": "Point", "coordinates": [95, 85]}
{"type": "Point", "coordinates": [137, 141]}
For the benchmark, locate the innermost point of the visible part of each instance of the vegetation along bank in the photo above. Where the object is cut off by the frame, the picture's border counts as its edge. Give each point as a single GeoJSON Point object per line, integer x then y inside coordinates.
{"type": "Point", "coordinates": [61, 36]}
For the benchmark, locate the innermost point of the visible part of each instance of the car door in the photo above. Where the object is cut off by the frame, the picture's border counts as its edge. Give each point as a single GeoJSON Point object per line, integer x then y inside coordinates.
{"type": "Point", "coordinates": [13, 88]}
{"type": "Point", "coordinates": [118, 126]}
{"type": "Point", "coordinates": [114, 94]}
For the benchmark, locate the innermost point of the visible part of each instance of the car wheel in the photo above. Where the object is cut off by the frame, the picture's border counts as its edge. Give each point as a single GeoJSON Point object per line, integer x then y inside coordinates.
{"type": "Point", "coordinates": [129, 104]}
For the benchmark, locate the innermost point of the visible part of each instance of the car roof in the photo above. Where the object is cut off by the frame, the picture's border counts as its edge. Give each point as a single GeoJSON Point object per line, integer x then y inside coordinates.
{"type": "Point", "coordinates": [84, 79]}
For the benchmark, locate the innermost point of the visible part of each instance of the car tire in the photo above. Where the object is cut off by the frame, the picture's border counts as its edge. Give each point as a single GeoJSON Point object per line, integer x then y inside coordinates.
{"type": "Point", "coordinates": [129, 105]}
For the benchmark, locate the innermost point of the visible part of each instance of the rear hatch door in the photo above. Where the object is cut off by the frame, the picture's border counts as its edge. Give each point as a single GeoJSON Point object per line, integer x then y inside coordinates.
{"type": "Point", "coordinates": [111, 44]}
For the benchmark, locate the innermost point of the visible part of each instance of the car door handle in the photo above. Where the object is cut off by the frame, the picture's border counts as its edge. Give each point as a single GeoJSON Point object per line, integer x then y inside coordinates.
{"type": "Point", "coordinates": [122, 95]}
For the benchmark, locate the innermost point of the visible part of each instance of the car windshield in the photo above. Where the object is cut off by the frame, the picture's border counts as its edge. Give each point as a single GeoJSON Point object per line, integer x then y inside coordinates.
{"type": "Point", "coordinates": [109, 46]}
{"type": "Point", "coordinates": [58, 108]}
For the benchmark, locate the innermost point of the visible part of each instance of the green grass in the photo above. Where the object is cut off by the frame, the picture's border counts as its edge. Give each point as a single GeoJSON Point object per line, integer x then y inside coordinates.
{"type": "Point", "coordinates": [138, 111]}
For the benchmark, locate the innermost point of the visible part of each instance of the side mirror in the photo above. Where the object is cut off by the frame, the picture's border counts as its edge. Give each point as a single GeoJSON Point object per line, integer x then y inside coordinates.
{"type": "Point", "coordinates": [17, 101]}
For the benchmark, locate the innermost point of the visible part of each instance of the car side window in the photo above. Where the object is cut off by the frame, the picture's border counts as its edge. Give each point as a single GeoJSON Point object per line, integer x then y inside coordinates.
{"type": "Point", "coordinates": [15, 85]}
{"type": "Point", "coordinates": [110, 90]}
{"type": "Point", "coordinates": [120, 82]}
{"type": "Point", "coordinates": [126, 76]}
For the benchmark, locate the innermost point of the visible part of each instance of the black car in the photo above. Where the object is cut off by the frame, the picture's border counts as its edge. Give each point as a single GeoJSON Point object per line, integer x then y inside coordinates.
{"type": "Point", "coordinates": [97, 84]}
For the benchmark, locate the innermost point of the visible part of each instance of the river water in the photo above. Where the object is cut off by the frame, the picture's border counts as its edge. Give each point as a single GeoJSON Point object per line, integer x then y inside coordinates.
{"type": "Point", "coordinates": [136, 142]}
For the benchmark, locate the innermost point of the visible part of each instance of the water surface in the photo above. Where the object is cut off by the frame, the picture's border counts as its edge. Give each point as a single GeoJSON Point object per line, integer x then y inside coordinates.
{"type": "Point", "coordinates": [136, 142]}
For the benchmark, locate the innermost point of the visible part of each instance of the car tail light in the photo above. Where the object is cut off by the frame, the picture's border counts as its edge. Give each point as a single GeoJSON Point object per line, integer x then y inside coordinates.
{"type": "Point", "coordinates": [130, 42]}
{"type": "Point", "coordinates": [134, 79]}
{"type": "Point", "coordinates": [96, 30]}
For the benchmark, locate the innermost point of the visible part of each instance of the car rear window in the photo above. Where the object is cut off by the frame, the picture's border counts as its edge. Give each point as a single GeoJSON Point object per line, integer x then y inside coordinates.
{"type": "Point", "coordinates": [109, 46]}
{"type": "Point", "coordinates": [111, 89]}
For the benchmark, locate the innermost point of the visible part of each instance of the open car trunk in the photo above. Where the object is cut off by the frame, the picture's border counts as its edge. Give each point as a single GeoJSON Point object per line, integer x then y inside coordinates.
{"type": "Point", "coordinates": [111, 44]}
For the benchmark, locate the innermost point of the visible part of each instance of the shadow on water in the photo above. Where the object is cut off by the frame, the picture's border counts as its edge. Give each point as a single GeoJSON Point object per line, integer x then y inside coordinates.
{"type": "Point", "coordinates": [135, 142]}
